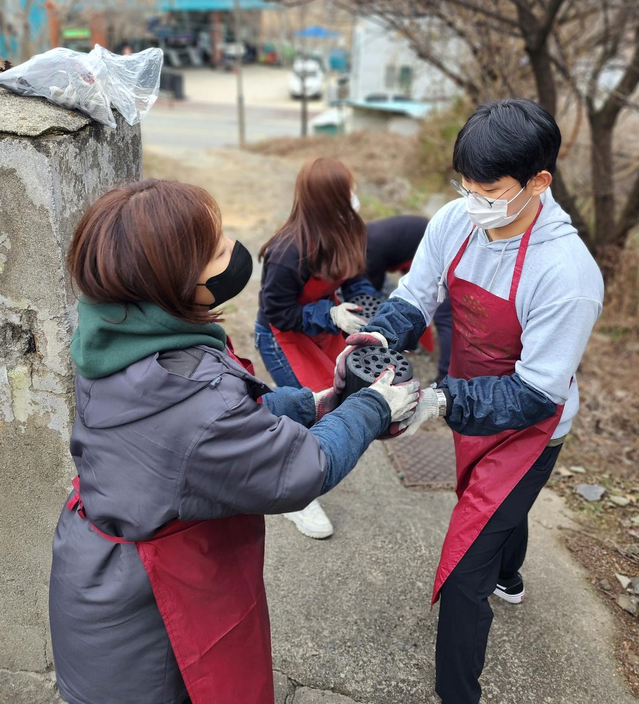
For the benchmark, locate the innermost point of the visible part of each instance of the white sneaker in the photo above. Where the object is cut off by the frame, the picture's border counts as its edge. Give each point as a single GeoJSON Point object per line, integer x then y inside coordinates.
{"type": "Point", "coordinates": [312, 521]}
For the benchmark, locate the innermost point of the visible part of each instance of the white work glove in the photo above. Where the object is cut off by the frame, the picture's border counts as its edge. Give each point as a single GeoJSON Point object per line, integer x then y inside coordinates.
{"type": "Point", "coordinates": [360, 339]}
{"type": "Point", "coordinates": [325, 402]}
{"type": "Point", "coordinates": [427, 408]}
{"type": "Point", "coordinates": [345, 320]}
{"type": "Point", "coordinates": [401, 398]}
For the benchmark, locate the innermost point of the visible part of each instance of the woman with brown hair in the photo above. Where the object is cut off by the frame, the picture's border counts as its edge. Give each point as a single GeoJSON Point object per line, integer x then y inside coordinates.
{"type": "Point", "coordinates": [320, 248]}
{"type": "Point", "coordinates": [156, 593]}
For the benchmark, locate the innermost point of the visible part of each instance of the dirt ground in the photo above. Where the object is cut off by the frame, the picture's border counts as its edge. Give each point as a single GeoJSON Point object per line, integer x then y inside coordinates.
{"type": "Point", "coordinates": [605, 443]}
{"type": "Point", "coordinates": [254, 190]}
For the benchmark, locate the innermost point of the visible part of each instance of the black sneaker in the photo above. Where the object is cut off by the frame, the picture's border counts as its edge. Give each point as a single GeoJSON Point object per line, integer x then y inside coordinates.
{"type": "Point", "coordinates": [511, 590]}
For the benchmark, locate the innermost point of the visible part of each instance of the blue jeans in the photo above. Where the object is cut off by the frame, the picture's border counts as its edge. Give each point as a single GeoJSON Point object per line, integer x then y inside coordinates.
{"type": "Point", "coordinates": [274, 359]}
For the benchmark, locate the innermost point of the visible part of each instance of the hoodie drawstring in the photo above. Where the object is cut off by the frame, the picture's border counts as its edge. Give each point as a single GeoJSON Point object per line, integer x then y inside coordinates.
{"type": "Point", "coordinates": [501, 258]}
{"type": "Point", "coordinates": [441, 293]}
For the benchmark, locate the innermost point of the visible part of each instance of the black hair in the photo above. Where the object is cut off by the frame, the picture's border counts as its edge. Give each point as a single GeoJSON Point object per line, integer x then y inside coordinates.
{"type": "Point", "coordinates": [512, 137]}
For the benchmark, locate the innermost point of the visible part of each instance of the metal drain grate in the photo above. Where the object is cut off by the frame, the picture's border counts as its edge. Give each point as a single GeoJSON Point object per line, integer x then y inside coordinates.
{"type": "Point", "coordinates": [425, 460]}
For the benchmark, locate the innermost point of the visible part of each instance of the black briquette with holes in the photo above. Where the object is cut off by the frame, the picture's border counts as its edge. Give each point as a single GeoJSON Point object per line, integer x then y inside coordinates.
{"type": "Point", "coordinates": [369, 305]}
{"type": "Point", "coordinates": [365, 364]}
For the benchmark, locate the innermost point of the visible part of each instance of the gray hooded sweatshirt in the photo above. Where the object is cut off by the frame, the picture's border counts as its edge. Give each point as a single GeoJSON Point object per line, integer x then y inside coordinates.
{"type": "Point", "coordinates": [559, 299]}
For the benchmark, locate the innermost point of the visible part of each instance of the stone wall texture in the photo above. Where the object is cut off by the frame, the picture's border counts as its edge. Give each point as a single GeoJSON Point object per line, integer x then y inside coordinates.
{"type": "Point", "coordinates": [53, 164]}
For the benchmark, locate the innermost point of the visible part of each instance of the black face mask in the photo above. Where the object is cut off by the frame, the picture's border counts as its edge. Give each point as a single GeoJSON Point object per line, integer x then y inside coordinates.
{"type": "Point", "coordinates": [233, 279]}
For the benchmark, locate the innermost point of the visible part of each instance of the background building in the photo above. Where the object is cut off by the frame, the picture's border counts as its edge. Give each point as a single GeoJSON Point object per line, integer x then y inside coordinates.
{"type": "Point", "coordinates": [385, 67]}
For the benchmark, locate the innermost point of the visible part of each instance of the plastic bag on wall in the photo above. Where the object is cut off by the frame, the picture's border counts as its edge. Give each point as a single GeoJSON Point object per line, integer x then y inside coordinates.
{"type": "Point", "coordinates": [91, 82]}
{"type": "Point", "coordinates": [133, 81]}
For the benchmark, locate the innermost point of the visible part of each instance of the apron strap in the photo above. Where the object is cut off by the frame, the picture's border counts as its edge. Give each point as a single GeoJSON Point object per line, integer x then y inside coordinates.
{"type": "Point", "coordinates": [453, 265]}
{"type": "Point", "coordinates": [112, 538]}
{"type": "Point", "coordinates": [76, 501]}
{"type": "Point", "coordinates": [521, 255]}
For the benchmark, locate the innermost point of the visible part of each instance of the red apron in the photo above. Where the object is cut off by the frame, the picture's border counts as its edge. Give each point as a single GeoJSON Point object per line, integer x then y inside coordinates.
{"type": "Point", "coordinates": [207, 579]}
{"type": "Point", "coordinates": [312, 358]}
{"type": "Point", "coordinates": [486, 342]}
{"type": "Point", "coordinates": [427, 341]}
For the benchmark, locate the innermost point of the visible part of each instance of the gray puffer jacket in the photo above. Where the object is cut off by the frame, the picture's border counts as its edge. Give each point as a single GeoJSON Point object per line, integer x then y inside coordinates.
{"type": "Point", "coordinates": [177, 435]}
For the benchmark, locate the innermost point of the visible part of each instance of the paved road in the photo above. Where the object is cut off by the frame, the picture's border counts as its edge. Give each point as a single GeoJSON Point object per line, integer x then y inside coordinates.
{"type": "Point", "coordinates": [194, 125]}
{"type": "Point", "coordinates": [351, 615]}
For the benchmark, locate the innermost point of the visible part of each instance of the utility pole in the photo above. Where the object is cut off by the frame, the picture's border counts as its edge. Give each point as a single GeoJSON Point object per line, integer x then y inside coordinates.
{"type": "Point", "coordinates": [25, 48]}
{"type": "Point", "coordinates": [304, 94]}
{"type": "Point", "coordinates": [238, 72]}
{"type": "Point", "coordinates": [330, 18]}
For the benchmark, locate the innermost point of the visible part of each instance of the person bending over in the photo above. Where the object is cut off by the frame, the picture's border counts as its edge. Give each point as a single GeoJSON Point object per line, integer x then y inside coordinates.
{"type": "Point", "coordinates": [320, 249]}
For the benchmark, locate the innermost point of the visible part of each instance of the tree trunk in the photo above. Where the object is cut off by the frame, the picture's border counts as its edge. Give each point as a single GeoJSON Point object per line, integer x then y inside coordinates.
{"type": "Point", "coordinates": [544, 78]}
{"type": "Point", "coordinates": [25, 51]}
{"type": "Point", "coordinates": [547, 97]}
{"type": "Point", "coordinates": [567, 201]}
{"type": "Point", "coordinates": [606, 249]}
{"type": "Point", "coordinates": [629, 215]}
{"type": "Point", "coordinates": [26, 31]}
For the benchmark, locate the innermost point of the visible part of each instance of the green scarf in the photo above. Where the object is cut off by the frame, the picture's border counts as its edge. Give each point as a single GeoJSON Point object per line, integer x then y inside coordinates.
{"type": "Point", "coordinates": [101, 345]}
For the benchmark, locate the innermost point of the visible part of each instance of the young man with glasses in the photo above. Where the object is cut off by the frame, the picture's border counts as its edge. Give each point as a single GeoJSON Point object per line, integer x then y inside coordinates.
{"type": "Point", "coordinates": [525, 295]}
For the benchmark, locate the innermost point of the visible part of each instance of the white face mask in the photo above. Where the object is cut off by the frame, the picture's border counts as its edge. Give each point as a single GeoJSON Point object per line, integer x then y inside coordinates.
{"type": "Point", "coordinates": [355, 204]}
{"type": "Point", "coordinates": [491, 214]}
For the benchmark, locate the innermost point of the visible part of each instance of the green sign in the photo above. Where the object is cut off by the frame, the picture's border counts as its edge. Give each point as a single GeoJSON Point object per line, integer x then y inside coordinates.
{"type": "Point", "coordinates": [76, 33]}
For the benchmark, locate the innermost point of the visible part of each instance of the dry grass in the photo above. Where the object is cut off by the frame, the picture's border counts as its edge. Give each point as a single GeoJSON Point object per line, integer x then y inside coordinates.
{"type": "Point", "coordinates": [379, 158]}
{"type": "Point", "coordinates": [605, 434]}
{"type": "Point", "coordinates": [432, 169]}
{"type": "Point", "coordinates": [606, 430]}
{"type": "Point", "coordinates": [605, 441]}
{"type": "Point", "coordinates": [622, 296]}
{"type": "Point", "coordinates": [382, 158]}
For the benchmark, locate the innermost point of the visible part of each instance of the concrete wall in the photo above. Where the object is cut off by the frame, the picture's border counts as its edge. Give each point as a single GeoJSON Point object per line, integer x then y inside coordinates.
{"type": "Point", "coordinates": [53, 164]}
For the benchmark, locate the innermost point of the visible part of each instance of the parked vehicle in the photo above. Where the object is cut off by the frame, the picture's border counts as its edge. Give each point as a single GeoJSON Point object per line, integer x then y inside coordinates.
{"type": "Point", "coordinates": [307, 77]}
{"type": "Point", "coordinates": [230, 53]}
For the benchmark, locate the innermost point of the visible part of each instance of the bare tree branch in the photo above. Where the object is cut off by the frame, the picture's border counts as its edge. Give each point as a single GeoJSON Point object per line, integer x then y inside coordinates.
{"type": "Point", "coordinates": [488, 13]}
{"type": "Point", "coordinates": [624, 89]}
{"type": "Point", "coordinates": [545, 26]}
{"type": "Point", "coordinates": [610, 41]}
{"type": "Point", "coordinates": [426, 53]}
{"type": "Point", "coordinates": [291, 3]}
{"type": "Point", "coordinates": [569, 45]}
{"type": "Point", "coordinates": [570, 18]}
{"type": "Point", "coordinates": [468, 29]}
